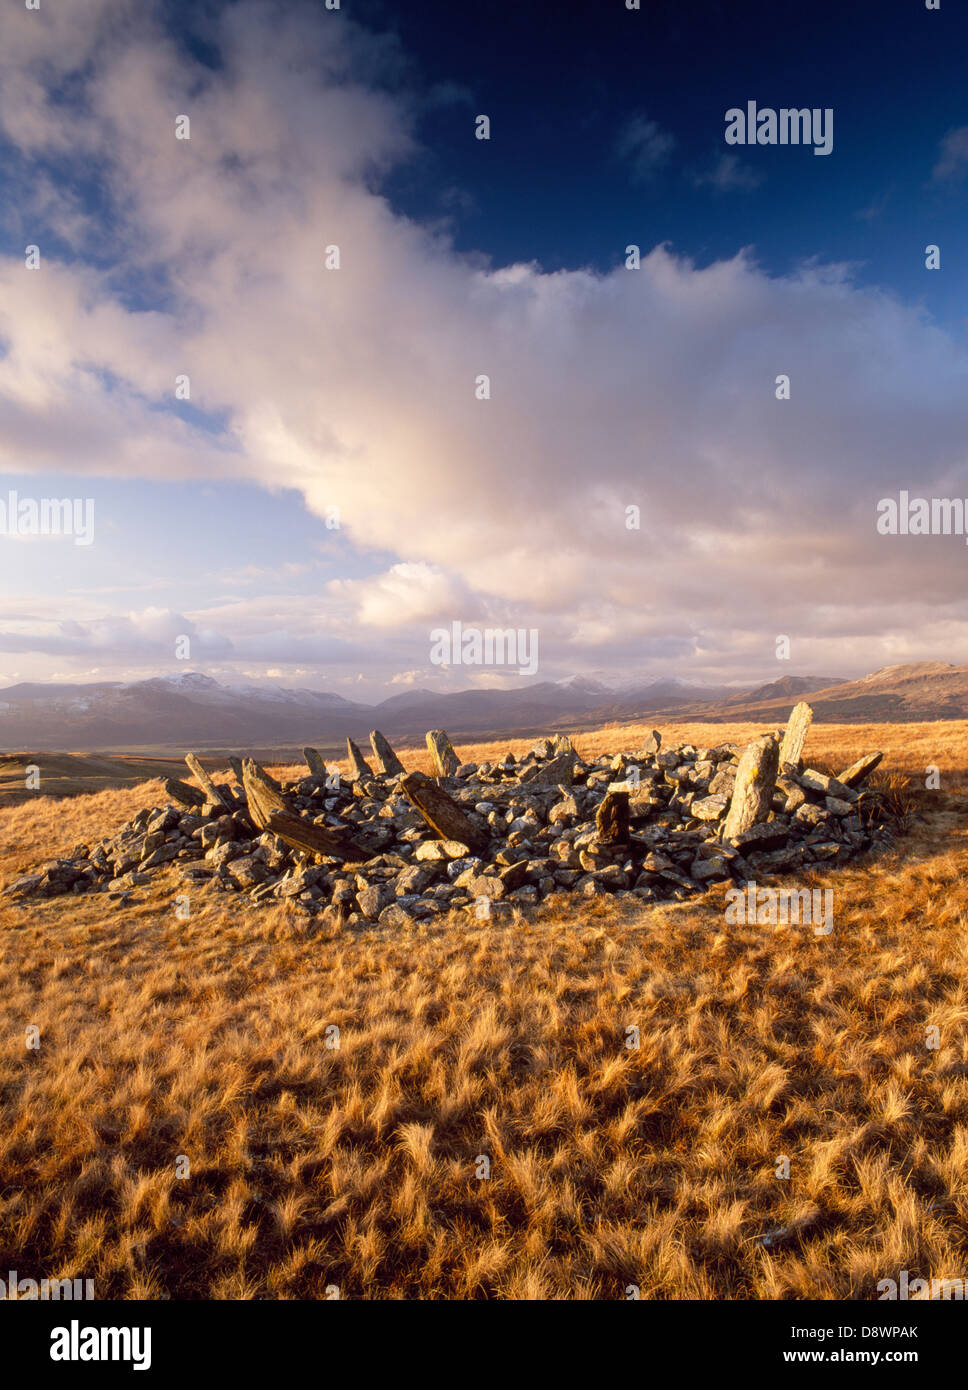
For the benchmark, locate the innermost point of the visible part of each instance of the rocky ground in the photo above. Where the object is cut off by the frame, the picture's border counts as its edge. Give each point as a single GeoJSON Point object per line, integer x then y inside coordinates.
{"type": "Point", "coordinates": [657, 823]}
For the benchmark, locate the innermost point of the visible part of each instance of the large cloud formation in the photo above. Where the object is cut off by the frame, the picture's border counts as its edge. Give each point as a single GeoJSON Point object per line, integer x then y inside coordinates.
{"type": "Point", "coordinates": [652, 388]}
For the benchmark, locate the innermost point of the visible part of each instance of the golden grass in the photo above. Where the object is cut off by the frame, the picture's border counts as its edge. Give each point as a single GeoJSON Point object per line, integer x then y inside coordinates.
{"type": "Point", "coordinates": [357, 1167]}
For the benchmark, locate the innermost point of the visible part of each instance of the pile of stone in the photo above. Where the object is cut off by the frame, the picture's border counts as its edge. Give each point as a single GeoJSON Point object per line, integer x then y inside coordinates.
{"type": "Point", "coordinates": [382, 844]}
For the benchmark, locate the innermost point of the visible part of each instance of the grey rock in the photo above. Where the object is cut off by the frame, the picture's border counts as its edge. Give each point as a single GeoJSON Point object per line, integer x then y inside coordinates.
{"type": "Point", "coordinates": [26, 884]}
{"type": "Point", "coordinates": [222, 852]}
{"type": "Point", "coordinates": [396, 915]}
{"type": "Point", "coordinates": [248, 871]}
{"type": "Point", "coordinates": [163, 855]}
{"type": "Point", "coordinates": [766, 835]}
{"type": "Point", "coordinates": [413, 880]}
{"type": "Point", "coordinates": [709, 808]}
{"type": "Point", "coordinates": [710, 870]}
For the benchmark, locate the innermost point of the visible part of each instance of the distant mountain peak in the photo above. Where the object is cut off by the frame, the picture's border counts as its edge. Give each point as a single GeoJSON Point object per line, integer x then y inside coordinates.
{"type": "Point", "coordinates": [183, 680]}
{"type": "Point", "coordinates": [786, 687]}
{"type": "Point", "coordinates": [587, 684]}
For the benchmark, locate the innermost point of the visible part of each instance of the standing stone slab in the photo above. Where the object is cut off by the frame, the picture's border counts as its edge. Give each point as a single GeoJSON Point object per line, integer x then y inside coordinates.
{"type": "Point", "coordinates": [360, 769]}
{"type": "Point", "coordinates": [441, 812]}
{"type": "Point", "coordinates": [755, 782]}
{"type": "Point", "coordinates": [612, 819]}
{"type": "Point", "coordinates": [387, 761]}
{"type": "Point", "coordinates": [791, 750]}
{"type": "Point", "coordinates": [444, 760]}
{"type": "Point", "coordinates": [315, 763]}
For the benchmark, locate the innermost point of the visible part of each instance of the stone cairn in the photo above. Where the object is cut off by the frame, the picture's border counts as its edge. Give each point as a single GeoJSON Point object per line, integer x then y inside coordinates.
{"type": "Point", "coordinates": [392, 846]}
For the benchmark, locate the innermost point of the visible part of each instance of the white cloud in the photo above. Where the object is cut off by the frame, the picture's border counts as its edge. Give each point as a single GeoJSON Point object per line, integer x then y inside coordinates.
{"type": "Point", "coordinates": [408, 593]}
{"type": "Point", "coordinates": [149, 635]}
{"type": "Point", "coordinates": [356, 386]}
{"type": "Point", "coordinates": [952, 156]}
{"type": "Point", "coordinates": [645, 146]}
{"type": "Point", "coordinates": [729, 174]}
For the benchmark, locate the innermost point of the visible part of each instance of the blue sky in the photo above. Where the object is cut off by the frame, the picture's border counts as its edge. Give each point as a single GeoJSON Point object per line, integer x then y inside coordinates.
{"type": "Point", "coordinates": [575, 75]}
{"type": "Point", "coordinates": [353, 389]}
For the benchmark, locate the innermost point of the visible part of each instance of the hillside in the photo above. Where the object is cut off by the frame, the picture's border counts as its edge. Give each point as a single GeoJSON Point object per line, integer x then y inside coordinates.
{"type": "Point", "coordinates": [171, 713]}
{"type": "Point", "coordinates": [66, 774]}
{"type": "Point", "coordinates": [897, 694]}
{"type": "Point", "coordinates": [359, 1166]}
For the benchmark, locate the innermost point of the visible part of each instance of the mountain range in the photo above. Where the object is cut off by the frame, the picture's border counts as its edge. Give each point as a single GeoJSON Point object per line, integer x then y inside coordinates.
{"type": "Point", "coordinates": [194, 710]}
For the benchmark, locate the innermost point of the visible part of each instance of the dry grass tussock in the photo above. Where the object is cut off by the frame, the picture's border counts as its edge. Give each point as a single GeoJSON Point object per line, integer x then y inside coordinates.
{"type": "Point", "coordinates": [312, 1166]}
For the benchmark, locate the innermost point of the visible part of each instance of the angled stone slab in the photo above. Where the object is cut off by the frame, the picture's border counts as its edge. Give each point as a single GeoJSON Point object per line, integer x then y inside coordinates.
{"type": "Point", "coordinates": [214, 793]}
{"type": "Point", "coordinates": [184, 793]}
{"type": "Point", "coordinates": [261, 793]}
{"type": "Point", "coordinates": [386, 760]}
{"type": "Point", "coordinates": [359, 768]}
{"type": "Point", "coordinates": [316, 839]}
{"type": "Point", "coordinates": [859, 771]}
{"type": "Point", "coordinates": [441, 812]}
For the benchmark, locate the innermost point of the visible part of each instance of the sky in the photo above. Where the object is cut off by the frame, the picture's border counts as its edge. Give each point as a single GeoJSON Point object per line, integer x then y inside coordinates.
{"type": "Point", "coordinates": [338, 484]}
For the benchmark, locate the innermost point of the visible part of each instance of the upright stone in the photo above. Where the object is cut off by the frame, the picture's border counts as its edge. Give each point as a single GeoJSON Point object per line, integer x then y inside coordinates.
{"type": "Point", "coordinates": [755, 781]}
{"type": "Point", "coordinates": [442, 756]}
{"type": "Point", "coordinates": [359, 767]}
{"type": "Point", "coordinates": [387, 761]}
{"type": "Point", "coordinates": [612, 819]}
{"type": "Point", "coordinates": [236, 765]}
{"type": "Point", "coordinates": [791, 750]}
{"type": "Point", "coordinates": [315, 763]}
